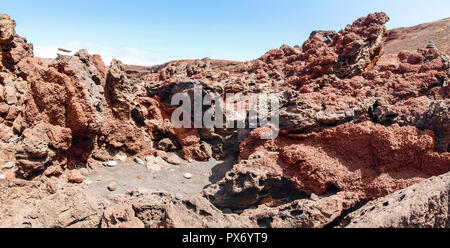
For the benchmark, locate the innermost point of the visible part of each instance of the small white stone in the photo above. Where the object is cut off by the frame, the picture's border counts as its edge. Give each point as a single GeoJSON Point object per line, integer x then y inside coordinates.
{"type": "Point", "coordinates": [111, 163]}
{"type": "Point", "coordinates": [139, 161]}
{"type": "Point", "coordinates": [178, 197]}
{"type": "Point", "coordinates": [2, 177]}
{"type": "Point", "coordinates": [121, 157]}
{"type": "Point", "coordinates": [188, 176]}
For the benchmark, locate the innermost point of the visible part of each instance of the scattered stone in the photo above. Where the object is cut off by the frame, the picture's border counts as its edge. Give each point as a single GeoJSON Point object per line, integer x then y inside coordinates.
{"type": "Point", "coordinates": [2, 177]}
{"type": "Point", "coordinates": [188, 176]}
{"type": "Point", "coordinates": [166, 145]}
{"type": "Point", "coordinates": [111, 163]}
{"type": "Point", "coordinates": [53, 170]}
{"type": "Point", "coordinates": [74, 176]}
{"type": "Point", "coordinates": [178, 197]}
{"type": "Point", "coordinates": [112, 186]}
{"type": "Point", "coordinates": [121, 157]}
{"type": "Point", "coordinates": [174, 159]}
{"type": "Point", "coordinates": [162, 154]}
{"type": "Point", "coordinates": [139, 161]}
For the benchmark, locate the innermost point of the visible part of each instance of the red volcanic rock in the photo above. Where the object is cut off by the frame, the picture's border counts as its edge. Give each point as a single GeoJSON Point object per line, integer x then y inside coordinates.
{"type": "Point", "coordinates": [118, 91]}
{"type": "Point", "coordinates": [68, 95]}
{"type": "Point", "coordinates": [367, 159]}
{"type": "Point", "coordinates": [74, 176]}
{"type": "Point", "coordinates": [437, 118]}
{"type": "Point", "coordinates": [13, 47]}
{"type": "Point", "coordinates": [7, 29]}
{"type": "Point", "coordinates": [350, 52]}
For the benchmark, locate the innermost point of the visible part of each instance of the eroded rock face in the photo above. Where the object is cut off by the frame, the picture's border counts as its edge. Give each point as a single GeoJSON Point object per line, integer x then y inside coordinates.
{"type": "Point", "coordinates": [66, 206]}
{"type": "Point", "coordinates": [121, 216]}
{"type": "Point", "coordinates": [69, 96]}
{"type": "Point", "coordinates": [424, 205]}
{"type": "Point", "coordinates": [392, 158]}
{"type": "Point", "coordinates": [355, 125]}
{"type": "Point", "coordinates": [304, 213]}
{"type": "Point", "coordinates": [437, 118]}
{"type": "Point", "coordinates": [328, 54]}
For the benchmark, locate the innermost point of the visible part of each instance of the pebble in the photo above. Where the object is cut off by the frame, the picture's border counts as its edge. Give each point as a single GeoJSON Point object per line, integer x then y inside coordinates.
{"type": "Point", "coordinates": [2, 177]}
{"type": "Point", "coordinates": [112, 186]}
{"type": "Point", "coordinates": [121, 157]}
{"type": "Point", "coordinates": [74, 176]}
{"type": "Point", "coordinates": [139, 161]}
{"type": "Point", "coordinates": [174, 159]}
{"type": "Point", "coordinates": [188, 176]}
{"type": "Point", "coordinates": [178, 197]}
{"type": "Point", "coordinates": [111, 163]}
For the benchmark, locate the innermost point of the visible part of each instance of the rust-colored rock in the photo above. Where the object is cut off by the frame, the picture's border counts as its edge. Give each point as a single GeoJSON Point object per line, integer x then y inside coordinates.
{"type": "Point", "coordinates": [355, 125]}
{"type": "Point", "coordinates": [368, 159]}
{"type": "Point", "coordinates": [75, 176]}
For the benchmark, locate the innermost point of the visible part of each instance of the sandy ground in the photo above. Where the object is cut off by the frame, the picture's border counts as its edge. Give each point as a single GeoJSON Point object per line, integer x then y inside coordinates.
{"type": "Point", "coordinates": [170, 178]}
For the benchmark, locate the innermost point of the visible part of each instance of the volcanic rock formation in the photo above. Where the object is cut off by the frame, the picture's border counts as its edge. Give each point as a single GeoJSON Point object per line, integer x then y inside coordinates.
{"type": "Point", "coordinates": [356, 125]}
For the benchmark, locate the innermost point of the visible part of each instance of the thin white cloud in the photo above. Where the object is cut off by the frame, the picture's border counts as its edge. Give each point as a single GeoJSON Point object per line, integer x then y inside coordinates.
{"type": "Point", "coordinates": [128, 55]}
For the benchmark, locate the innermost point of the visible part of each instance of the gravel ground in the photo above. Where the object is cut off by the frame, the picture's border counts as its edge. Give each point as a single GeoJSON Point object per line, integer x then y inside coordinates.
{"type": "Point", "coordinates": [162, 178]}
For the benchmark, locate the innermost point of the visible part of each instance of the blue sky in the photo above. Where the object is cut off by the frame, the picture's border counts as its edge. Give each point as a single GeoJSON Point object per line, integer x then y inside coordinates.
{"type": "Point", "coordinates": [153, 32]}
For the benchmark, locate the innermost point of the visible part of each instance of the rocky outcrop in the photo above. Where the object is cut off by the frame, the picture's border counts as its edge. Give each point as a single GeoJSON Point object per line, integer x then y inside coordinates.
{"type": "Point", "coordinates": [305, 213]}
{"type": "Point", "coordinates": [424, 205]}
{"type": "Point", "coordinates": [67, 206]}
{"type": "Point", "coordinates": [328, 55]}
{"type": "Point", "coordinates": [391, 159]}
{"type": "Point", "coordinates": [121, 216]}
{"type": "Point", "coordinates": [355, 126]}
{"type": "Point", "coordinates": [69, 97]}
{"type": "Point", "coordinates": [437, 118]}
{"type": "Point", "coordinates": [14, 48]}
